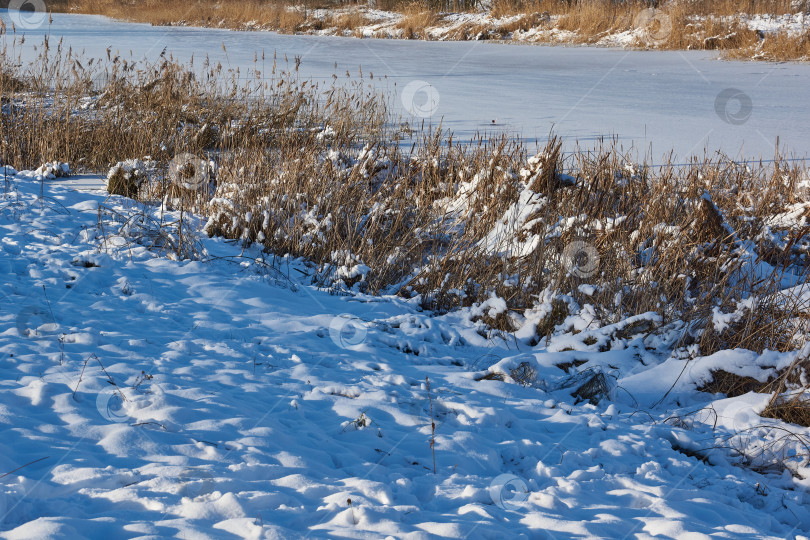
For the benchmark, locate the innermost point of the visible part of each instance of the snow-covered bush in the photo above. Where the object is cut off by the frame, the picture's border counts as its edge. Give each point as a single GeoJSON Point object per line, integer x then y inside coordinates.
{"type": "Point", "coordinates": [53, 170]}
{"type": "Point", "coordinates": [125, 177]}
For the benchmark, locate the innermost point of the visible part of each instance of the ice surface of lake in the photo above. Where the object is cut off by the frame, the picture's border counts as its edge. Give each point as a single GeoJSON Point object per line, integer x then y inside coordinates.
{"type": "Point", "coordinates": [653, 102]}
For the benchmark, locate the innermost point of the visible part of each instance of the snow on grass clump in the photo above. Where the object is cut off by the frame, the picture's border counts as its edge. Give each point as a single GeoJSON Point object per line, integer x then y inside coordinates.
{"type": "Point", "coordinates": [125, 177]}
{"type": "Point", "coordinates": [348, 270]}
{"type": "Point", "coordinates": [7, 170]}
{"type": "Point", "coordinates": [189, 406]}
{"type": "Point", "coordinates": [53, 170]}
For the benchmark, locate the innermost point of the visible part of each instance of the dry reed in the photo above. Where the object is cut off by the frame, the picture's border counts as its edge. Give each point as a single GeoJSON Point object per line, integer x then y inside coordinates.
{"type": "Point", "coordinates": [717, 25]}
{"type": "Point", "coordinates": [296, 170]}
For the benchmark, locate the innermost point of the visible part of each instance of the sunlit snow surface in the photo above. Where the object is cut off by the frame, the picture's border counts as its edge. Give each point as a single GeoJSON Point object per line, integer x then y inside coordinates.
{"type": "Point", "coordinates": [258, 406]}
{"type": "Point", "coordinates": [653, 102]}
{"type": "Point", "coordinates": [247, 403]}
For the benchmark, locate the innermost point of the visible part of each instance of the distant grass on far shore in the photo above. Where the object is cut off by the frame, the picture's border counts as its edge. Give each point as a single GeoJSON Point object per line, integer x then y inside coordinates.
{"type": "Point", "coordinates": [674, 24]}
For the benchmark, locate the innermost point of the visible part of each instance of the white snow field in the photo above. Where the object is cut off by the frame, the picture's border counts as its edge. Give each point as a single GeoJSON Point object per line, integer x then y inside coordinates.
{"type": "Point", "coordinates": [144, 397]}
{"type": "Point", "coordinates": [227, 396]}
{"type": "Point", "coordinates": [652, 102]}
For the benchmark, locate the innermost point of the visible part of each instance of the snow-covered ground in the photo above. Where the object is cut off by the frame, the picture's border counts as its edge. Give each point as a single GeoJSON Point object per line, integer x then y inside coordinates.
{"type": "Point", "coordinates": [652, 102]}
{"type": "Point", "coordinates": [226, 396]}
{"type": "Point", "coordinates": [145, 397]}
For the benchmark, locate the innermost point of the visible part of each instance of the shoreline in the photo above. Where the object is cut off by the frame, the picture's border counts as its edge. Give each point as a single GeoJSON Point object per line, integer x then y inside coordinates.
{"type": "Point", "coordinates": [771, 38]}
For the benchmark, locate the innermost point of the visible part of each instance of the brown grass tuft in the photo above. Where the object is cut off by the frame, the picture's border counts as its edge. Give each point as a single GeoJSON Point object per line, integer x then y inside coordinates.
{"type": "Point", "coordinates": [416, 18]}
{"type": "Point", "coordinates": [733, 385]}
{"type": "Point", "coordinates": [780, 46]}
{"type": "Point", "coordinates": [791, 409]}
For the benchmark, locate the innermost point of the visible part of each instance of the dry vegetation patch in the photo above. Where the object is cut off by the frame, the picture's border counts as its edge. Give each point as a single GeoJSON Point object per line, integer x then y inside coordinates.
{"type": "Point", "coordinates": [315, 171]}
{"type": "Point", "coordinates": [732, 384]}
{"type": "Point", "coordinates": [793, 409]}
{"type": "Point", "coordinates": [665, 24]}
{"type": "Point", "coordinates": [417, 17]}
{"type": "Point", "coordinates": [715, 249]}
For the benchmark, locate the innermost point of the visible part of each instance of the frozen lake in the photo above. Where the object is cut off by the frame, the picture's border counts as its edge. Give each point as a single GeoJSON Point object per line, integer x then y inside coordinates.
{"type": "Point", "coordinates": [653, 102]}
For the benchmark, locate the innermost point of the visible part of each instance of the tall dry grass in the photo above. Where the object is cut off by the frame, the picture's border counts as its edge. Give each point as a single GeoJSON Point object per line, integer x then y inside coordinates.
{"type": "Point", "coordinates": [694, 24]}
{"type": "Point", "coordinates": [317, 172]}
{"type": "Point", "coordinates": [774, 48]}
{"type": "Point", "coordinates": [613, 8]}
{"type": "Point", "coordinates": [595, 20]}
{"type": "Point", "coordinates": [300, 171]}
{"type": "Point", "coordinates": [276, 15]}
{"type": "Point", "coordinates": [416, 18]}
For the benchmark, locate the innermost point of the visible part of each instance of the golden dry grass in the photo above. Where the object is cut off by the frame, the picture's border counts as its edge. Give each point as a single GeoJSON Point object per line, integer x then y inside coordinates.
{"type": "Point", "coordinates": [691, 24]}
{"type": "Point", "coordinates": [276, 15]}
{"type": "Point", "coordinates": [793, 409]}
{"type": "Point", "coordinates": [524, 23]}
{"type": "Point", "coordinates": [594, 20]}
{"type": "Point", "coordinates": [504, 8]}
{"type": "Point", "coordinates": [315, 171]}
{"type": "Point", "coordinates": [775, 47]}
{"type": "Point", "coordinates": [348, 21]}
{"type": "Point", "coordinates": [416, 18]}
